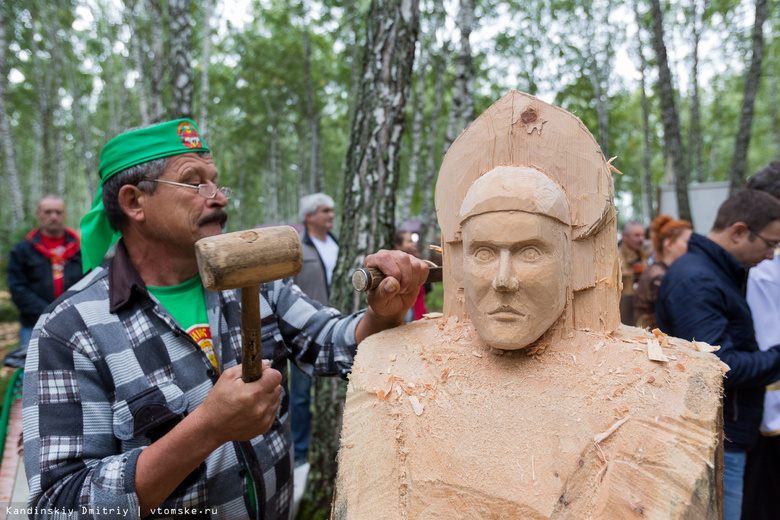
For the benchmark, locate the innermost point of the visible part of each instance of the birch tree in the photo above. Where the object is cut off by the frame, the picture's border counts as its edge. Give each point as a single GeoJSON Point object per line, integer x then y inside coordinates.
{"type": "Point", "coordinates": [647, 176]}
{"type": "Point", "coordinates": [371, 179]}
{"type": "Point", "coordinates": [180, 37]}
{"type": "Point", "coordinates": [426, 47]}
{"type": "Point", "coordinates": [462, 108]}
{"type": "Point", "coordinates": [158, 60]}
{"type": "Point", "coordinates": [673, 143]}
{"type": "Point", "coordinates": [752, 79]}
{"type": "Point", "coordinates": [205, 59]}
{"type": "Point", "coordinates": [9, 157]}
{"type": "Point", "coordinates": [694, 133]}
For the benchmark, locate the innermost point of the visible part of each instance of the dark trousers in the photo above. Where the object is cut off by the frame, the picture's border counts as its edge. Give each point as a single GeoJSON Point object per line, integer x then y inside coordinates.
{"type": "Point", "coordinates": [300, 410]}
{"type": "Point", "coordinates": [762, 481]}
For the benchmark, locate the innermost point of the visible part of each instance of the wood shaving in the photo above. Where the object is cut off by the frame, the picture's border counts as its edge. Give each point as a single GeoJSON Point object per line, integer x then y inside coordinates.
{"type": "Point", "coordinates": [416, 405]}
{"type": "Point", "coordinates": [705, 347]}
{"type": "Point", "coordinates": [432, 315]}
{"type": "Point", "coordinates": [477, 354]}
{"type": "Point", "coordinates": [601, 436]}
{"type": "Point", "coordinates": [654, 352]}
{"type": "Point", "coordinates": [437, 249]}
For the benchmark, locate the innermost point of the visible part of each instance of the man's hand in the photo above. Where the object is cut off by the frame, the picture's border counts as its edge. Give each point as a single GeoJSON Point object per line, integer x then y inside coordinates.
{"type": "Point", "coordinates": [388, 303]}
{"type": "Point", "coordinates": [233, 411]}
{"type": "Point", "coordinates": [239, 411]}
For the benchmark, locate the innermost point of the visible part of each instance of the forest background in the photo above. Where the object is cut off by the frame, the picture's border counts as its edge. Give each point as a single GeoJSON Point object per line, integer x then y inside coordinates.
{"type": "Point", "coordinates": [361, 99]}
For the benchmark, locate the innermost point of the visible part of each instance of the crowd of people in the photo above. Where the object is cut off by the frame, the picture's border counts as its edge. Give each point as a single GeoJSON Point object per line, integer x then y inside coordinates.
{"type": "Point", "coordinates": [122, 413]}
{"type": "Point", "coordinates": [723, 289]}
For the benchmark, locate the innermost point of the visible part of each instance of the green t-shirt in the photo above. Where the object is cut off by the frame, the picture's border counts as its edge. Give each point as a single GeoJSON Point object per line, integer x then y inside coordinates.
{"type": "Point", "coordinates": [187, 305]}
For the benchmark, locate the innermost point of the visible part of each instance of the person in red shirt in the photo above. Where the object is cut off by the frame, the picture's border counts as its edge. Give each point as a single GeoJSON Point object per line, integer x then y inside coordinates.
{"type": "Point", "coordinates": [42, 267]}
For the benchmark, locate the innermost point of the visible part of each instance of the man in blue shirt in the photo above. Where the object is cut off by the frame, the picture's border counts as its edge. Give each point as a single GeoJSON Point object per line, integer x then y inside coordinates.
{"type": "Point", "coordinates": [702, 298]}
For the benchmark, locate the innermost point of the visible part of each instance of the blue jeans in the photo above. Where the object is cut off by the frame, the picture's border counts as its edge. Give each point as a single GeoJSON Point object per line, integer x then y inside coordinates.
{"type": "Point", "coordinates": [733, 478]}
{"type": "Point", "coordinates": [24, 336]}
{"type": "Point", "coordinates": [300, 411]}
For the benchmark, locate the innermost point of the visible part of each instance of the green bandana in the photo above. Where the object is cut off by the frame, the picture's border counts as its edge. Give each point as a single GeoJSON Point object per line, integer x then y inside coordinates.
{"type": "Point", "coordinates": [120, 153]}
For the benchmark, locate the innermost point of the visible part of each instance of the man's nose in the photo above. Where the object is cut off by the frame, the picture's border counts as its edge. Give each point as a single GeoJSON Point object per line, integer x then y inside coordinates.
{"type": "Point", "coordinates": [505, 279]}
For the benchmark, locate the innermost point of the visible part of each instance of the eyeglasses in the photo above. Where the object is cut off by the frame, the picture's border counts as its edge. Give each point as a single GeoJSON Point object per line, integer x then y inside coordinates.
{"type": "Point", "coordinates": [208, 191]}
{"type": "Point", "coordinates": [769, 243]}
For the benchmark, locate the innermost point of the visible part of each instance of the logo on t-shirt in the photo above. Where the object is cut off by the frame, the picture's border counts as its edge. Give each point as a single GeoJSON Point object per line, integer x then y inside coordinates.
{"type": "Point", "coordinates": [202, 336]}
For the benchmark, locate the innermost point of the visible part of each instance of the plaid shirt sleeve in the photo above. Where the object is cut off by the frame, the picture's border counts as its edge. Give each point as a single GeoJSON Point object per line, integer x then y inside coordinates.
{"type": "Point", "coordinates": [71, 455]}
{"type": "Point", "coordinates": [322, 340]}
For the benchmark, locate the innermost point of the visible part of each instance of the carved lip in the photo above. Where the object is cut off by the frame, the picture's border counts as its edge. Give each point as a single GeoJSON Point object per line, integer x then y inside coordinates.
{"type": "Point", "coordinates": [506, 312]}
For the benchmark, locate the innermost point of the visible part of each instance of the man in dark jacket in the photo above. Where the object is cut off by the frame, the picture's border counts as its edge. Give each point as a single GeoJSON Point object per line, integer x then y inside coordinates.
{"type": "Point", "coordinates": [42, 267]}
{"type": "Point", "coordinates": [702, 298]}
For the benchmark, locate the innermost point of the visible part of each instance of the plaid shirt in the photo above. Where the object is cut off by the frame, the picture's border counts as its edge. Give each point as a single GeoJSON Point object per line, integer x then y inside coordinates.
{"type": "Point", "coordinates": [109, 371]}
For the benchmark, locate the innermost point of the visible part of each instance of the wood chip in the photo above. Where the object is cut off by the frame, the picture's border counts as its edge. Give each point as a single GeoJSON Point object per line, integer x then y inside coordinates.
{"type": "Point", "coordinates": [705, 347]}
{"type": "Point", "coordinates": [416, 405]}
{"type": "Point", "coordinates": [601, 436]}
{"type": "Point", "coordinates": [432, 315]}
{"type": "Point", "coordinates": [477, 354]}
{"type": "Point", "coordinates": [655, 353]}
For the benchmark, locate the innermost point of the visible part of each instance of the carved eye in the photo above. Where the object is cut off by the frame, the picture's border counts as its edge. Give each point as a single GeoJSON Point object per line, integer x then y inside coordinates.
{"type": "Point", "coordinates": [530, 254]}
{"type": "Point", "coordinates": [484, 254]}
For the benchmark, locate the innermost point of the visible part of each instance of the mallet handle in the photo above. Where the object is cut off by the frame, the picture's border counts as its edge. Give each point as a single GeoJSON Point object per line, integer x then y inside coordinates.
{"type": "Point", "coordinates": [251, 344]}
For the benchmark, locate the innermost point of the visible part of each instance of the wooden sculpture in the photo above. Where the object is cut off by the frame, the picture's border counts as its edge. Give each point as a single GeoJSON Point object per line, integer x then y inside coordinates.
{"type": "Point", "coordinates": [527, 399]}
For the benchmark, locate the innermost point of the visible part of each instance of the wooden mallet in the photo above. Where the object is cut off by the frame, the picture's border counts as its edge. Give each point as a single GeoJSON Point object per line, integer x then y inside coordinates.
{"type": "Point", "coordinates": [243, 260]}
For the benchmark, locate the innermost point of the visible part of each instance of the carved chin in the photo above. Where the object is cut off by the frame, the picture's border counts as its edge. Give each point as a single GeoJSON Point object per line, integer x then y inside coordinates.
{"type": "Point", "coordinates": [501, 335]}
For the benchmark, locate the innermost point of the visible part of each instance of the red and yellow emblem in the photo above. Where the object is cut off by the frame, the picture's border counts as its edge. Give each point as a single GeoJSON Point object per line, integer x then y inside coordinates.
{"type": "Point", "coordinates": [189, 135]}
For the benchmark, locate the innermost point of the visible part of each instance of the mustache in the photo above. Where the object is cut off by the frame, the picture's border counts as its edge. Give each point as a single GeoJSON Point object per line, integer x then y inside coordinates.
{"type": "Point", "coordinates": [218, 216]}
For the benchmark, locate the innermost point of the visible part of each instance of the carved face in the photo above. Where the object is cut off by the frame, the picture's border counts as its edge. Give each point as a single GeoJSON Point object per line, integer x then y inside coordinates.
{"type": "Point", "coordinates": [515, 275]}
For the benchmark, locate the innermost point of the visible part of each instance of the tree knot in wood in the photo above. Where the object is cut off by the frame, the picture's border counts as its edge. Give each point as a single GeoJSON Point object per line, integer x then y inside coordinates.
{"type": "Point", "coordinates": [529, 116]}
{"type": "Point", "coordinates": [563, 501]}
{"type": "Point", "coordinates": [248, 236]}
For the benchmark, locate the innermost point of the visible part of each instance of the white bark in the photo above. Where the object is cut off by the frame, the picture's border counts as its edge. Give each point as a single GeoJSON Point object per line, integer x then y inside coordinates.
{"type": "Point", "coordinates": [203, 123]}
{"type": "Point", "coordinates": [158, 60]}
{"type": "Point", "coordinates": [462, 108]}
{"type": "Point", "coordinates": [135, 47]}
{"type": "Point", "coordinates": [9, 157]}
{"type": "Point", "coordinates": [180, 38]}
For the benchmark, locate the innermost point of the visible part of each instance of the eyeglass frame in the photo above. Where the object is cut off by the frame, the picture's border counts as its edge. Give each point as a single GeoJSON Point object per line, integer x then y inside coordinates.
{"type": "Point", "coordinates": [199, 187]}
{"type": "Point", "coordinates": [769, 243]}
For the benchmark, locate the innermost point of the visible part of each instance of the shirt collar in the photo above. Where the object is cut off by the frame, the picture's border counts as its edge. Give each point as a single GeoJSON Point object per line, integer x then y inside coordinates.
{"type": "Point", "coordinates": [725, 260]}
{"type": "Point", "coordinates": [123, 278]}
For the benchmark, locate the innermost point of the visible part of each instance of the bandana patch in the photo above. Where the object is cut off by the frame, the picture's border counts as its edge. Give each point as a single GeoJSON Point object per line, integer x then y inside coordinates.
{"type": "Point", "coordinates": [189, 135]}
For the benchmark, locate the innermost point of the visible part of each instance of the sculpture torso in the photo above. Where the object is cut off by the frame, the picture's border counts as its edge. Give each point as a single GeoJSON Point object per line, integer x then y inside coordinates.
{"type": "Point", "coordinates": [437, 425]}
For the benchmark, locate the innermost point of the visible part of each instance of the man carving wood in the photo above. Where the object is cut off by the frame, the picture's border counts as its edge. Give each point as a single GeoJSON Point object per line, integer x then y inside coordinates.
{"type": "Point", "coordinates": [527, 398]}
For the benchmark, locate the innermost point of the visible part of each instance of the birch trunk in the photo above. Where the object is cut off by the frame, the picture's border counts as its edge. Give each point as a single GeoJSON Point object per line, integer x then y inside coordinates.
{"type": "Point", "coordinates": [203, 123]}
{"type": "Point", "coordinates": [180, 37]}
{"type": "Point", "coordinates": [695, 140]}
{"type": "Point", "coordinates": [135, 48]}
{"type": "Point", "coordinates": [41, 151]}
{"type": "Point", "coordinates": [407, 196]}
{"type": "Point", "coordinates": [773, 111]}
{"type": "Point", "coordinates": [462, 108]}
{"type": "Point", "coordinates": [752, 79]}
{"type": "Point", "coordinates": [367, 212]}
{"type": "Point", "coordinates": [9, 157]}
{"type": "Point", "coordinates": [426, 52]}
{"type": "Point", "coordinates": [718, 123]}
{"type": "Point", "coordinates": [428, 213]}
{"type": "Point", "coordinates": [84, 138]}
{"type": "Point", "coordinates": [599, 78]}
{"type": "Point", "coordinates": [647, 177]}
{"type": "Point", "coordinates": [315, 167]}
{"type": "Point", "coordinates": [673, 143]}
{"type": "Point", "coordinates": [158, 60]}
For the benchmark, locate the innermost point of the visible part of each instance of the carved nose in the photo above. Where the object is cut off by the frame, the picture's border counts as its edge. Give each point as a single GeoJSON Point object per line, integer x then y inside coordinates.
{"type": "Point", "coordinates": [505, 279]}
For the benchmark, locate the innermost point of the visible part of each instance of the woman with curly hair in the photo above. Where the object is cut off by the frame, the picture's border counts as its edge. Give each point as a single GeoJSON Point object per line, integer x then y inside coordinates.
{"type": "Point", "coordinates": [670, 242]}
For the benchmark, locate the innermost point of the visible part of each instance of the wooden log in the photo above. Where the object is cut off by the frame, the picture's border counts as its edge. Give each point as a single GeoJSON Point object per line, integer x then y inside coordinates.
{"type": "Point", "coordinates": [527, 399]}
{"type": "Point", "coordinates": [505, 436]}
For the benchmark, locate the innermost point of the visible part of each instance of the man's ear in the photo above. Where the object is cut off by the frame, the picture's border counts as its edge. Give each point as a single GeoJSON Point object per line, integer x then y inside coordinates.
{"type": "Point", "coordinates": [132, 200]}
{"type": "Point", "coordinates": [738, 231]}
